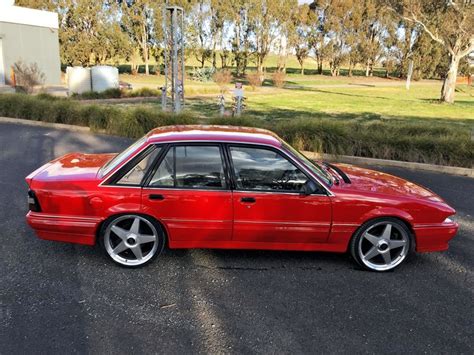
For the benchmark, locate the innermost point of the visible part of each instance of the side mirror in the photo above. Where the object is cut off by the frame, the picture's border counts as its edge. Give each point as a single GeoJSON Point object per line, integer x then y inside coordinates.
{"type": "Point", "coordinates": [309, 187]}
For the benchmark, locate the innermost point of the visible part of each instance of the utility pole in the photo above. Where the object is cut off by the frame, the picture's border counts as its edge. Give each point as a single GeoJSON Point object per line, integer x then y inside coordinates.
{"type": "Point", "coordinates": [173, 35]}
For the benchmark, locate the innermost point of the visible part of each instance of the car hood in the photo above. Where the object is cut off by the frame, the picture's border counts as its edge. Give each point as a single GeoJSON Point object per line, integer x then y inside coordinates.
{"type": "Point", "coordinates": [366, 180]}
{"type": "Point", "coordinates": [73, 166]}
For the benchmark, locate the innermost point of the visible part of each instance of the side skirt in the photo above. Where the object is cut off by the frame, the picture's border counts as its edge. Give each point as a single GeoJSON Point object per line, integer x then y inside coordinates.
{"type": "Point", "coordinates": [336, 248]}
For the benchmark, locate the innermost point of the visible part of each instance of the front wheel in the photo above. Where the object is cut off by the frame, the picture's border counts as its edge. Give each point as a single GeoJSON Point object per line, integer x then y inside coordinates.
{"type": "Point", "coordinates": [132, 240]}
{"type": "Point", "coordinates": [381, 244]}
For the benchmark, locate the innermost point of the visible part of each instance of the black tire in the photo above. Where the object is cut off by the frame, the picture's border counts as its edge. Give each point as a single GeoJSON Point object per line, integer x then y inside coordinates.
{"type": "Point", "coordinates": [146, 223]}
{"type": "Point", "coordinates": [356, 248]}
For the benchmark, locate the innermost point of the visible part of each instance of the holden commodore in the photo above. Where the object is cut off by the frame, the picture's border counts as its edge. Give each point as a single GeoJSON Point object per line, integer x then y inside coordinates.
{"type": "Point", "coordinates": [232, 188]}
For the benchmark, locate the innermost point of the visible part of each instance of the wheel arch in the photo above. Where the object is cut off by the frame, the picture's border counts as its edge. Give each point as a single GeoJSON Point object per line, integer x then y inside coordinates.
{"type": "Point", "coordinates": [115, 215]}
{"type": "Point", "coordinates": [406, 222]}
{"type": "Point", "coordinates": [388, 212]}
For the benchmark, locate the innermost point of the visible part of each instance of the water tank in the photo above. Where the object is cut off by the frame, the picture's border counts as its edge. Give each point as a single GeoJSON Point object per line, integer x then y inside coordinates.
{"type": "Point", "coordinates": [78, 80]}
{"type": "Point", "coordinates": [104, 77]}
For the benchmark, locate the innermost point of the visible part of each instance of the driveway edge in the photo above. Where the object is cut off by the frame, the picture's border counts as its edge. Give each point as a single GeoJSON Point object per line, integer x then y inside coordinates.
{"type": "Point", "coordinates": [453, 170]}
{"type": "Point", "coordinates": [45, 124]}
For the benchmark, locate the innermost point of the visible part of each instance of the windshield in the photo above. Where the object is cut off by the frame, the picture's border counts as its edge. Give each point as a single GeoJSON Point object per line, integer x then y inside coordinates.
{"type": "Point", "coordinates": [314, 167]}
{"type": "Point", "coordinates": [119, 158]}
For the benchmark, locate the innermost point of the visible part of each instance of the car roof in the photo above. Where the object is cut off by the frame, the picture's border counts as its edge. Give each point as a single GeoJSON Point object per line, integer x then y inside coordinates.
{"type": "Point", "coordinates": [212, 133]}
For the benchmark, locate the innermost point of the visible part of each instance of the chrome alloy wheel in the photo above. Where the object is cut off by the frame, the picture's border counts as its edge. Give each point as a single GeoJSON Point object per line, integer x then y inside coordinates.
{"type": "Point", "coordinates": [131, 240]}
{"type": "Point", "coordinates": [383, 246]}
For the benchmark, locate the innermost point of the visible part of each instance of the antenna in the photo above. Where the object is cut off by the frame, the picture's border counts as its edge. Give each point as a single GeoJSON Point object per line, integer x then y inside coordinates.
{"type": "Point", "coordinates": [173, 35]}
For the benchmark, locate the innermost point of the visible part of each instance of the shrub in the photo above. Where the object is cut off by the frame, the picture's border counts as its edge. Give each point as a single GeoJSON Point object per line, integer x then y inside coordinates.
{"type": "Point", "coordinates": [202, 74]}
{"type": "Point", "coordinates": [430, 142]}
{"type": "Point", "coordinates": [27, 76]}
{"type": "Point", "coordinates": [222, 78]}
{"type": "Point", "coordinates": [116, 93]}
{"type": "Point", "coordinates": [255, 79]}
{"type": "Point", "coordinates": [142, 92]}
{"type": "Point", "coordinates": [279, 78]}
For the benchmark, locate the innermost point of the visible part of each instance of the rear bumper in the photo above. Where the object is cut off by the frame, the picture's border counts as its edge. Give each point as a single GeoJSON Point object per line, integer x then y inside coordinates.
{"type": "Point", "coordinates": [70, 229]}
{"type": "Point", "coordinates": [434, 237]}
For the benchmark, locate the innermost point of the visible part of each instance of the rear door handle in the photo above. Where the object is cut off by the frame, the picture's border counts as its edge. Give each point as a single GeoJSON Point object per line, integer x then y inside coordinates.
{"type": "Point", "coordinates": [156, 197]}
{"type": "Point", "coordinates": [248, 199]}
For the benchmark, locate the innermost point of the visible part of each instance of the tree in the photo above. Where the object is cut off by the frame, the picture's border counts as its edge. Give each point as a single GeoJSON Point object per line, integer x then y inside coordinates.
{"type": "Point", "coordinates": [88, 32]}
{"type": "Point", "coordinates": [301, 53]}
{"type": "Point", "coordinates": [199, 31]}
{"type": "Point", "coordinates": [450, 24]}
{"type": "Point", "coordinates": [268, 18]}
{"type": "Point", "coordinates": [318, 33]}
{"type": "Point", "coordinates": [240, 41]}
{"type": "Point", "coordinates": [374, 31]}
{"type": "Point", "coordinates": [337, 27]}
{"type": "Point", "coordinates": [137, 21]}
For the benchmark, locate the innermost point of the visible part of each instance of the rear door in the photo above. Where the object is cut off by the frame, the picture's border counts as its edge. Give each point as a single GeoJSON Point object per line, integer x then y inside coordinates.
{"type": "Point", "coordinates": [188, 191]}
{"type": "Point", "coordinates": [268, 202]}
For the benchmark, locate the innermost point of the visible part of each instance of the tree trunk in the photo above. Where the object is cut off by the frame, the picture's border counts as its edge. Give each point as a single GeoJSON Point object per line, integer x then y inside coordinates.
{"type": "Point", "coordinates": [367, 68]}
{"type": "Point", "coordinates": [302, 68]}
{"type": "Point", "coordinates": [214, 59]}
{"type": "Point", "coordinates": [320, 66]}
{"type": "Point", "coordinates": [449, 84]}
{"type": "Point", "coordinates": [147, 69]}
{"type": "Point", "coordinates": [259, 65]}
{"type": "Point", "coordinates": [145, 49]}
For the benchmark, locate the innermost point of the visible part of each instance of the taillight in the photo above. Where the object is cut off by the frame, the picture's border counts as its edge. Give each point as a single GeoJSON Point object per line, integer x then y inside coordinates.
{"type": "Point", "coordinates": [33, 204]}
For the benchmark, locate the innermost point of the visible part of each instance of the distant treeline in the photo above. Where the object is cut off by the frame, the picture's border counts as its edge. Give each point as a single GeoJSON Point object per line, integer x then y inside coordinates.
{"type": "Point", "coordinates": [436, 35]}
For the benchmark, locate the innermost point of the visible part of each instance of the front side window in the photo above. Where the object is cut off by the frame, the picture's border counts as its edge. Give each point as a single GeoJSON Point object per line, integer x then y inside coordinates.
{"type": "Point", "coordinates": [192, 166]}
{"type": "Point", "coordinates": [265, 170]}
{"type": "Point", "coordinates": [136, 174]}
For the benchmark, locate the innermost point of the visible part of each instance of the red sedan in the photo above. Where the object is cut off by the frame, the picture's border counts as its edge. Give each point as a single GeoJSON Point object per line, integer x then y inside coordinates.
{"type": "Point", "coordinates": [232, 188]}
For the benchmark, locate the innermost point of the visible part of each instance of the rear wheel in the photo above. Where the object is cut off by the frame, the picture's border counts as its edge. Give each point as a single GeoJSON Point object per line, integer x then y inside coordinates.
{"type": "Point", "coordinates": [132, 240]}
{"type": "Point", "coordinates": [381, 244]}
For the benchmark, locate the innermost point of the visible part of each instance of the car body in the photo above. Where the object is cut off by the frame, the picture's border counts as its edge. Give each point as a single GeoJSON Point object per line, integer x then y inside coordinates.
{"type": "Point", "coordinates": [232, 188]}
{"type": "Point", "coordinates": [123, 85]}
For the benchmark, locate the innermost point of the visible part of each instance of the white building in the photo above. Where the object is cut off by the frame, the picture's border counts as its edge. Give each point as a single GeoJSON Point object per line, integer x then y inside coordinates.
{"type": "Point", "coordinates": [30, 36]}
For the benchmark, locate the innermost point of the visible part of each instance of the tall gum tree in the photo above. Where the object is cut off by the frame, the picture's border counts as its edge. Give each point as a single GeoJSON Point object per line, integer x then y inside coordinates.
{"type": "Point", "coordinates": [450, 23]}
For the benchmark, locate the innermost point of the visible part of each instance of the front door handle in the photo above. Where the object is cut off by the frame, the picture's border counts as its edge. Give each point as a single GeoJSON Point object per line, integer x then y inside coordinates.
{"type": "Point", "coordinates": [156, 197]}
{"type": "Point", "coordinates": [248, 199]}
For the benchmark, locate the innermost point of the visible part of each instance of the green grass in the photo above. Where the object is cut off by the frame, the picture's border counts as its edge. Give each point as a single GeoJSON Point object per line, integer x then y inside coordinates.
{"type": "Point", "coordinates": [378, 121]}
{"type": "Point", "coordinates": [386, 102]}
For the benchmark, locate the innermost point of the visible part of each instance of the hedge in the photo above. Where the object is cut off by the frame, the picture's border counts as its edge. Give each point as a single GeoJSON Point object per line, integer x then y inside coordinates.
{"type": "Point", "coordinates": [417, 141]}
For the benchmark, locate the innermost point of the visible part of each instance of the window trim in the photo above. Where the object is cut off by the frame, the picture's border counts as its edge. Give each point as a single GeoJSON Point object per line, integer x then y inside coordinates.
{"type": "Point", "coordinates": [159, 160]}
{"type": "Point", "coordinates": [125, 168]}
{"type": "Point", "coordinates": [228, 167]}
{"type": "Point", "coordinates": [322, 190]}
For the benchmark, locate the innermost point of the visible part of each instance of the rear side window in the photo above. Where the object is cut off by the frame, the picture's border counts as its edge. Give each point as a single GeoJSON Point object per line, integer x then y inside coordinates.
{"type": "Point", "coordinates": [193, 167]}
{"type": "Point", "coordinates": [136, 174]}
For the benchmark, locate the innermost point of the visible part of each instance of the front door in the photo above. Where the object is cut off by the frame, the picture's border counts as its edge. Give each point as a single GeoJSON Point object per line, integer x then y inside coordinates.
{"type": "Point", "coordinates": [268, 204]}
{"type": "Point", "coordinates": [188, 192]}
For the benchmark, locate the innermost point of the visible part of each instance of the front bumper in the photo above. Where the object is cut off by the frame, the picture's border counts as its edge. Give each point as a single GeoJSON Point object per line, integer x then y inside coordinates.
{"type": "Point", "coordinates": [434, 237]}
{"type": "Point", "coordinates": [70, 229]}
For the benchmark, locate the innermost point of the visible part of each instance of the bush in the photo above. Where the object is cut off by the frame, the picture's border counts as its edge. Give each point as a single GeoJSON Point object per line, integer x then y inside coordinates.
{"type": "Point", "coordinates": [222, 78]}
{"type": "Point", "coordinates": [279, 78]}
{"type": "Point", "coordinates": [27, 76]}
{"type": "Point", "coordinates": [117, 94]}
{"type": "Point", "coordinates": [142, 92]}
{"type": "Point", "coordinates": [202, 74]}
{"type": "Point", "coordinates": [255, 79]}
{"type": "Point", "coordinates": [430, 142]}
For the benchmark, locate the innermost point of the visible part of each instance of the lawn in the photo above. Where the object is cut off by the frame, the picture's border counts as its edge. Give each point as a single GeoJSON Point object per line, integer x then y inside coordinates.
{"type": "Point", "coordinates": [335, 98]}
